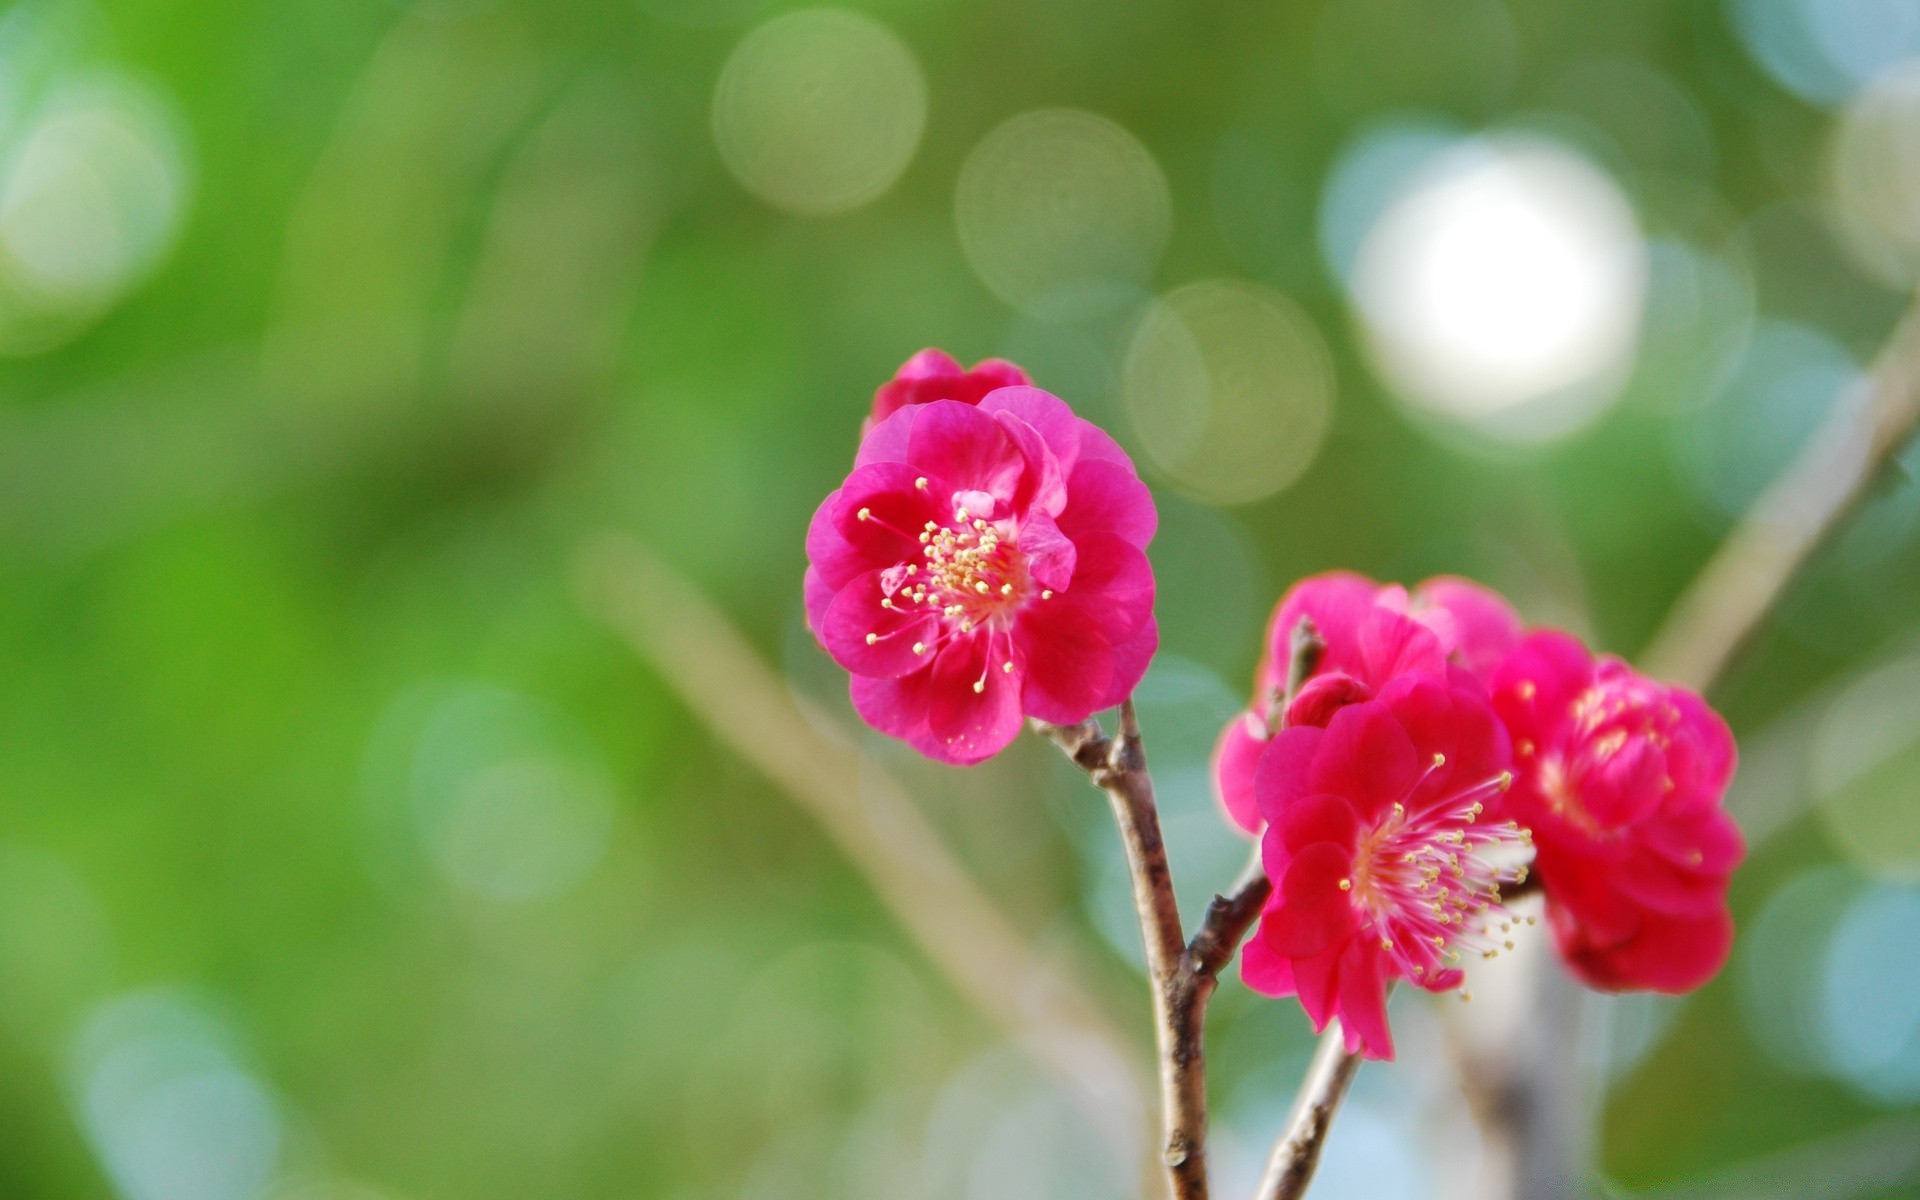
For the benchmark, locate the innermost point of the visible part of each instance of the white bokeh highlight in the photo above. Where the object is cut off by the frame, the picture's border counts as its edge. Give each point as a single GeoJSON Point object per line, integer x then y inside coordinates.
{"type": "Point", "coordinates": [1503, 288]}
{"type": "Point", "coordinates": [94, 187]}
{"type": "Point", "coordinates": [167, 1105]}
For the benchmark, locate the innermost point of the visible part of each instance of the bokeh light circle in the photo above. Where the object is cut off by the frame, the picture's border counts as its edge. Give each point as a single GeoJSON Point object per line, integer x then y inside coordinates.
{"type": "Point", "coordinates": [1229, 387]}
{"type": "Point", "coordinates": [1866, 771]}
{"type": "Point", "coordinates": [1782, 386]}
{"type": "Point", "coordinates": [819, 111]}
{"type": "Point", "coordinates": [1503, 289]}
{"type": "Point", "coordinates": [1873, 178]}
{"type": "Point", "coordinates": [93, 189]}
{"type": "Point", "coordinates": [1823, 50]}
{"type": "Point", "coordinates": [1062, 213]}
{"type": "Point", "coordinates": [167, 1105]}
{"type": "Point", "coordinates": [1779, 956]}
{"type": "Point", "coordinates": [504, 794]}
{"type": "Point", "coordinates": [1870, 995]}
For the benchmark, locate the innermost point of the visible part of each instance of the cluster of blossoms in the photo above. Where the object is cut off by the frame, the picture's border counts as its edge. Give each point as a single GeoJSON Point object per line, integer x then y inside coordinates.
{"type": "Point", "coordinates": [1437, 754]}
{"type": "Point", "coordinates": [985, 562]}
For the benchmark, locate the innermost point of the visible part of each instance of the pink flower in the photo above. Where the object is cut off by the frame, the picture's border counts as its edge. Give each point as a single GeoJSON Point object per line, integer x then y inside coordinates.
{"type": "Point", "coordinates": [1380, 865]}
{"type": "Point", "coordinates": [981, 564]}
{"type": "Point", "coordinates": [1620, 779]}
{"type": "Point", "coordinates": [936, 375]}
{"type": "Point", "coordinates": [1373, 634]}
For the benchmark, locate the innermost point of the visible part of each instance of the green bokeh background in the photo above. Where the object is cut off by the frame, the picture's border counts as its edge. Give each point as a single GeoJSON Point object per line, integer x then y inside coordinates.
{"type": "Point", "coordinates": [287, 528]}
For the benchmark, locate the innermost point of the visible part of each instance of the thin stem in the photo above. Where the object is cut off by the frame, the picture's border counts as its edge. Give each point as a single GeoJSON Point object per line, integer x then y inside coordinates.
{"type": "Point", "coordinates": [1118, 766]}
{"type": "Point", "coordinates": [1297, 1153]}
{"type": "Point", "coordinates": [1733, 593]}
{"type": "Point", "coordinates": [1184, 974]}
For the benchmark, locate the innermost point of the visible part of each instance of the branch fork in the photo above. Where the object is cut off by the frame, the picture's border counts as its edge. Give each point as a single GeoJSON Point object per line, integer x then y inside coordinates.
{"type": "Point", "coordinates": [1185, 973]}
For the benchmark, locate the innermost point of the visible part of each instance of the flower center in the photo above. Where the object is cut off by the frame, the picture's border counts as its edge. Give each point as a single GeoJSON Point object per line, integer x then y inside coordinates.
{"type": "Point", "coordinates": [1430, 880]}
{"type": "Point", "coordinates": [971, 570]}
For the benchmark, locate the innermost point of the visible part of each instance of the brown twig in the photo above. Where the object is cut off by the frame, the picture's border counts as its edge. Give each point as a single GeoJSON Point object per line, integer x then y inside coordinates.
{"type": "Point", "coordinates": [864, 809]}
{"type": "Point", "coordinates": [1297, 1154]}
{"type": "Point", "coordinates": [1118, 766]}
{"type": "Point", "coordinates": [1733, 593]}
{"type": "Point", "coordinates": [1184, 974]}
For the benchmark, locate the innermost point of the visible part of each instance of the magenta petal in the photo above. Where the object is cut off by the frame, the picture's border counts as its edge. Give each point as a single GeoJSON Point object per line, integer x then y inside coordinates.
{"type": "Point", "coordinates": [856, 615]}
{"type": "Point", "coordinates": [1324, 695]}
{"type": "Point", "coordinates": [967, 448]}
{"type": "Point", "coordinates": [1317, 819]}
{"type": "Point", "coordinates": [1046, 413]}
{"type": "Point", "coordinates": [1113, 580]}
{"type": "Point", "coordinates": [1363, 1002]}
{"type": "Point", "coordinates": [832, 560]}
{"type": "Point", "coordinates": [1668, 954]}
{"type": "Point", "coordinates": [1622, 788]}
{"type": "Point", "coordinates": [816, 593]}
{"type": "Point", "coordinates": [896, 512]}
{"type": "Point", "coordinates": [1281, 779]}
{"type": "Point", "coordinates": [1449, 722]}
{"type": "Point", "coordinates": [1051, 556]}
{"type": "Point", "coordinates": [1235, 757]}
{"type": "Point", "coordinates": [1313, 913]}
{"type": "Point", "coordinates": [1365, 757]}
{"type": "Point", "coordinates": [1316, 982]}
{"type": "Point", "coordinates": [887, 441]}
{"type": "Point", "coordinates": [1263, 970]}
{"type": "Point", "coordinates": [1337, 601]}
{"type": "Point", "coordinates": [1705, 743]}
{"type": "Point", "coordinates": [1108, 496]}
{"type": "Point", "coordinates": [970, 725]}
{"type": "Point", "coordinates": [1392, 644]}
{"type": "Point", "coordinates": [1485, 626]}
{"type": "Point", "coordinates": [1656, 884]}
{"type": "Point", "coordinates": [1068, 661]}
{"type": "Point", "coordinates": [1534, 685]}
{"type": "Point", "coordinates": [1706, 841]}
{"type": "Point", "coordinates": [897, 707]}
{"type": "Point", "coordinates": [1130, 660]}
{"type": "Point", "coordinates": [1042, 487]}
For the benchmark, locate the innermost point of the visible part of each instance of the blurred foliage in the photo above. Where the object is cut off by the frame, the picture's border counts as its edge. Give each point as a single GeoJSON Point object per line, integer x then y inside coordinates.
{"type": "Point", "coordinates": [343, 856]}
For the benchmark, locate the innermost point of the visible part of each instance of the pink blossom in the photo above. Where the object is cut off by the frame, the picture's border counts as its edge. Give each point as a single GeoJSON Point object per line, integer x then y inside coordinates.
{"type": "Point", "coordinates": [936, 375]}
{"type": "Point", "coordinates": [1373, 633]}
{"type": "Point", "coordinates": [1381, 867]}
{"type": "Point", "coordinates": [1621, 779]}
{"type": "Point", "coordinates": [980, 565]}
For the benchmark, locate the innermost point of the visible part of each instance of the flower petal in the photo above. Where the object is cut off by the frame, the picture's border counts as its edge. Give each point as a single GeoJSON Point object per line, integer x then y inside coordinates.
{"type": "Point", "coordinates": [1130, 660]}
{"type": "Point", "coordinates": [1365, 757]}
{"type": "Point", "coordinates": [888, 439]}
{"type": "Point", "coordinates": [896, 510]}
{"type": "Point", "coordinates": [1313, 914]}
{"type": "Point", "coordinates": [970, 725]}
{"type": "Point", "coordinates": [1113, 580]}
{"type": "Point", "coordinates": [1363, 1001]}
{"type": "Point", "coordinates": [868, 639]}
{"type": "Point", "coordinates": [1235, 758]}
{"type": "Point", "coordinates": [1282, 776]}
{"type": "Point", "coordinates": [1051, 555]}
{"type": "Point", "coordinates": [1067, 662]}
{"type": "Point", "coordinates": [1481, 626]}
{"type": "Point", "coordinates": [1103, 495]}
{"type": "Point", "coordinates": [1265, 971]}
{"type": "Point", "coordinates": [967, 448]}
